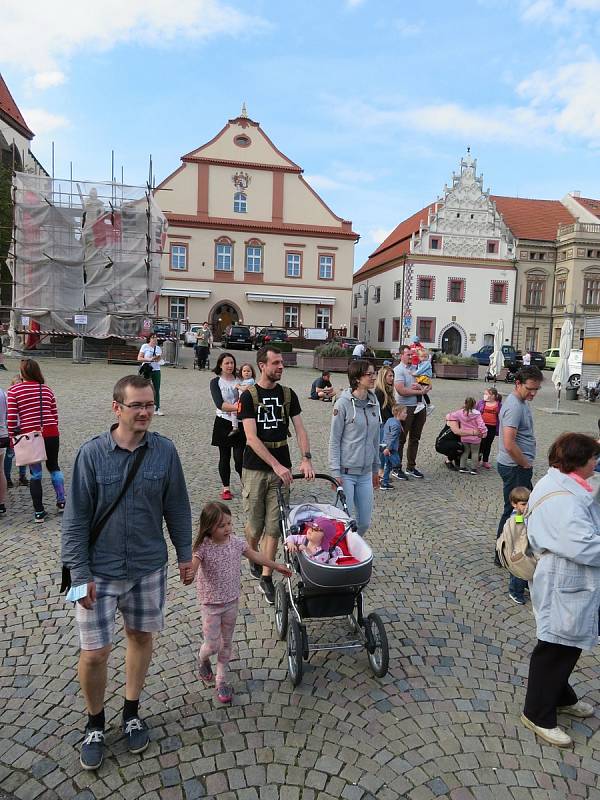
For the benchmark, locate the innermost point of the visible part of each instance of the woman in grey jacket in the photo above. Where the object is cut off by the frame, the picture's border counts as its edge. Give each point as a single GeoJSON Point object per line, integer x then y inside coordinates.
{"type": "Point", "coordinates": [354, 442]}
{"type": "Point", "coordinates": [564, 529]}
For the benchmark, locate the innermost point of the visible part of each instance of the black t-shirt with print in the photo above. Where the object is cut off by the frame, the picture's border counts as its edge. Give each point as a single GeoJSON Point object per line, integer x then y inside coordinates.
{"type": "Point", "coordinates": [270, 423]}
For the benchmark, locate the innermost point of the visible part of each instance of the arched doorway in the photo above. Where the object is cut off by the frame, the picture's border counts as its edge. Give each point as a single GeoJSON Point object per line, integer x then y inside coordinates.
{"type": "Point", "coordinates": [221, 316]}
{"type": "Point", "coordinates": [451, 341]}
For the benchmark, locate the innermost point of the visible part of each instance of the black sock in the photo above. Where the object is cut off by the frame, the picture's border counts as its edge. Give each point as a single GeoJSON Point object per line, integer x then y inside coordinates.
{"type": "Point", "coordinates": [96, 721]}
{"type": "Point", "coordinates": [130, 709]}
{"type": "Point", "coordinates": [268, 578]}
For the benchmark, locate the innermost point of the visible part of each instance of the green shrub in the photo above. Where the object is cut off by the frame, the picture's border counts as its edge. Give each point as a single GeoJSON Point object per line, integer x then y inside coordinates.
{"type": "Point", "coordinates": [285, 347]}
{"type": "Point", "coordinates": [447, 358]}
{"type": "Point", "coordinates": [383, 354]}
{"type": "Point", "coordinates": [332, 350]}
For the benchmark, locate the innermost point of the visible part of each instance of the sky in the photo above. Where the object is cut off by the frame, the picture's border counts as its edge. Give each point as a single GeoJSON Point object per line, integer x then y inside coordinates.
{"type": "Point", "coordinates": [377, 100]}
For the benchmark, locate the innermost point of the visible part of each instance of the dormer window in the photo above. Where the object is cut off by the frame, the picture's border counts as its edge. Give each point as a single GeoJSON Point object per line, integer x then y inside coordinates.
{"type": "Point", "coordinates": [240, 203]}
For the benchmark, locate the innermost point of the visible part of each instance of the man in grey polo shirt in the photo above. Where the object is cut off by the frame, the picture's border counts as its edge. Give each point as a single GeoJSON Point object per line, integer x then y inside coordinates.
{"type": "Point", "coordinates": [127, 566]}
{"type": "Point", "coordinates": [409, 393]}
{"type": "Point", "coordinates": [516, 450]}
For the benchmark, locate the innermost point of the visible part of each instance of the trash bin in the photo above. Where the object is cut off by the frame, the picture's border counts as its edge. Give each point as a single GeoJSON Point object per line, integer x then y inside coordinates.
{"type": "Point", "coordinates": [168, 351]}
{"type": "Point", "coordinates": [571, 392]}
{"type": "Point", "coordinates": [78, 350]}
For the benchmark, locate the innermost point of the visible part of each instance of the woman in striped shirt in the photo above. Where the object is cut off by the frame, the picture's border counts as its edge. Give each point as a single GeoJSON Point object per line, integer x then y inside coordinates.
{"type": "Point", "coordinates": [31, 403]}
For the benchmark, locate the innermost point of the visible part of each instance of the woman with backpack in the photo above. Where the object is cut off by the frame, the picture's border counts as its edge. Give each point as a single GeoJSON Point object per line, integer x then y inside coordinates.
{"type": "Point", "coordinates": [563, 526]}
{"type": "Point", "coordinates": [225, 396]}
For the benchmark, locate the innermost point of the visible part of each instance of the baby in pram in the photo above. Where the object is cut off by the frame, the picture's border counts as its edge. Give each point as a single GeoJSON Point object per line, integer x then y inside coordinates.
{"type": "Point", "coordinates": [315, 540]}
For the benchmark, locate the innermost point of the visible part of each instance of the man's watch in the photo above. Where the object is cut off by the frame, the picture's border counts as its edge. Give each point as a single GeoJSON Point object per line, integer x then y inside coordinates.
{"type": "Point", "coordinates": [307, 455]}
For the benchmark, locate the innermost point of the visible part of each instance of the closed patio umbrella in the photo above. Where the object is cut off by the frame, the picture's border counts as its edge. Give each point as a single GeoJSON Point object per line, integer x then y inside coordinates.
{"type": "Point", "coordinates": [560, 376]}
{"type": "Point", "coordinates": [497, 357]}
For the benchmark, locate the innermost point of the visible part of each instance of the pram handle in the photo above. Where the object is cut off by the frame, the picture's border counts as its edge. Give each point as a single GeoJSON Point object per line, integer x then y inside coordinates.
{"type": "Point", "coordinates": [320, 476]}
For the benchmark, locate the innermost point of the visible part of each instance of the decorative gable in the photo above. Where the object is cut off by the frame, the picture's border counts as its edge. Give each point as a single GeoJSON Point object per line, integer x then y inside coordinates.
{"type": "Point", "coordinates": [465, 221]}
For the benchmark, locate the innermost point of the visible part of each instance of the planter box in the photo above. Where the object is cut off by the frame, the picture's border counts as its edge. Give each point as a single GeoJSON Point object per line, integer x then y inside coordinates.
{"type": "Point", "coordinates": [290, 359]}
{"type": "Point", "coordinates": [457, 371]}
{"type": "Point", "coordinates": [332, 364]}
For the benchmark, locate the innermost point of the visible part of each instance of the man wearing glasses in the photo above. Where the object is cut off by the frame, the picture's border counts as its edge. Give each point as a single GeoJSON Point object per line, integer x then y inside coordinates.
{"type": "Point", "coordinates": [127, 566]}
{"type": "Point", "coordinates": [516, 451]}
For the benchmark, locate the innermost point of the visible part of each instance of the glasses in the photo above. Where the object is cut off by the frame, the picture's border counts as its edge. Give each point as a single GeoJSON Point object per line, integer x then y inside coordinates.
{"type": "Point", "coordinates": [370, 374]}
{"type": "Point", "coordinates": [139, 406]}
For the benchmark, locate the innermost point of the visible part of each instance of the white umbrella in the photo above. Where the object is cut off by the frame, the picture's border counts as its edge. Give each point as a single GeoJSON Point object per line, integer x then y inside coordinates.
{"type": "Point", "coordinates": [497, 357]}
{"type": "Point", "coordinates": [560, 376]}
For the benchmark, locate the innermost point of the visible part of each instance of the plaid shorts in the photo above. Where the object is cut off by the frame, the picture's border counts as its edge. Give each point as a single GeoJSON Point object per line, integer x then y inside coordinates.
{"type": "Point", "coordinates": [141, 602]}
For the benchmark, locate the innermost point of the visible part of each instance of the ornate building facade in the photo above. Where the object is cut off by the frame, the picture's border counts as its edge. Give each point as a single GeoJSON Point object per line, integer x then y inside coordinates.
{"type": "Point", "coordinates": [16, 136]}
{"type": "Point", "coordinates": [250, 241]}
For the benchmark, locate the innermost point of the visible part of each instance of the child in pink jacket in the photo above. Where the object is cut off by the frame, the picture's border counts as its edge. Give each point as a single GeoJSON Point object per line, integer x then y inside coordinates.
{"type": "Point", "coordinates": [472, 429]}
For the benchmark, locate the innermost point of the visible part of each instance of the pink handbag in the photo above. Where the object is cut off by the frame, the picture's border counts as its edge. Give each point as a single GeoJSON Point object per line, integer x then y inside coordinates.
{"type": "Point", "coordinates": [29, 448]}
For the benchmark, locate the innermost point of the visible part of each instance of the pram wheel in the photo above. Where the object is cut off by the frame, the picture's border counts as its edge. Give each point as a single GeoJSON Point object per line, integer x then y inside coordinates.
{"type": "Point", "coordinates": [281, 610]}
{"type": "Point", "coordinates": [294, 648]}
{"type": "Point", "coordinates": [378, 650]}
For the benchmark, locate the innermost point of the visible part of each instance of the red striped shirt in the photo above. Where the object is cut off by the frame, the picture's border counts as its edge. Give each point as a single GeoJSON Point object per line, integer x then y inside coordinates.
{"type": "Point", "coordinates": [24, 407]}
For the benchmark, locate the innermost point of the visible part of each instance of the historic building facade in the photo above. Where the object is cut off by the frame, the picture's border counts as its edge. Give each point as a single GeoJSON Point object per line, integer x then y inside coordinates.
{"type": "Point", "coordinates": [453, 269]}
{"type": "Point", "coordinates": [16, 136]}
{"type": "Point", "coordinates": [250, 241]}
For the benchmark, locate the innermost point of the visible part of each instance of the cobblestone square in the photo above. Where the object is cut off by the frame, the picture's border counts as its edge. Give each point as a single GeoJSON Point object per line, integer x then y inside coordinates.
{"type": "Point", "coordinates": [443, 723]}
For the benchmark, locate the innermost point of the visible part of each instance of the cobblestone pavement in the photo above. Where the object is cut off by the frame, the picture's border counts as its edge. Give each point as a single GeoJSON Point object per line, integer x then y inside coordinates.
{"type": "Point", "coordinates": [442, 723]}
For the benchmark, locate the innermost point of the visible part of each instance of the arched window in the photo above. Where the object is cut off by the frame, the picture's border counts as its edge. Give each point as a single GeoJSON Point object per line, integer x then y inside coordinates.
{"type": "Point", "coordinates": [239, 203]}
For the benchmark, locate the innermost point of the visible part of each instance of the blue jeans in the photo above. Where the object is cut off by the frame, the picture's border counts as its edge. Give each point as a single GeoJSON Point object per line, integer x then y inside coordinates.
{"type": "Point", "coordinates": [389, 463]}
{"type": "Point", "coordinates": [359, 496]}
{"type": "Point", "coordinates": [511, 478]}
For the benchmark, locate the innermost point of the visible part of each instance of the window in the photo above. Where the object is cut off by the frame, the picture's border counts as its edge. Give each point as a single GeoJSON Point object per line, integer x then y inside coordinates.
{"type": "Point", "coordinates": [395, 329]}
{"type": "Point", "coordinates": [435, 243]}
{"type": "Point", "coordinates": [177, 307]}
{"type": "Point", "coordinates": [179, 256]}
{"type": "Point", "coordinates": [323, 317]}
{"type": "Point", "coordinates": [531, 337]}
{"type": "Point", "coordinates": [591, 291]}
{"type": "Point", "coordinates": [397, 290]}
{"type": "Point", "coordinates": [355, 301]}
{"type": "Point", "coordinates": [425, 287]}
{"type": "Point", "coordinates": [291, 316]}
{"type": "Point", "coordinates": [377, 298]}
{"type": "Point", "coordinates": [560, 294]}
{"type": "Point", "coordinates": [326, 268]}
{"type": "Point", "coordinates": [224, 256]}
{"type": "Point", "coordinates": [242, 141]}
{"type": "Point", "coordinates": [254, 258]}
{"type": "Point", "coordinates": [426, 329]}
{"type": "Point", "coordinates": [492, 247]}
{"type": "Point", "coordinates": [499, 292]}
{"type": "Point", "coordinates": [537, 256]}
{"type": "Point", "coordinates": [293, 265]}
{"type": "Point", "coordinates": [535, 292]}
{"type": "Point", "coordinates": [239, 203]}
{"type": "Point", "coordinates": [456, 290]}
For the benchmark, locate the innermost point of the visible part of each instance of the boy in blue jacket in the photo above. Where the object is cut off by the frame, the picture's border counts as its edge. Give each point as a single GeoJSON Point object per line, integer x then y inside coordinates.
{"type": "Point", "coordinates": [390, 443]}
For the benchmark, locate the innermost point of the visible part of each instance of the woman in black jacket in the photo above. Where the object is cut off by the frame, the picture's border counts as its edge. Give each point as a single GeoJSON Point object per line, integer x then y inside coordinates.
{"type": "Point", "coordinates": [225, 395]}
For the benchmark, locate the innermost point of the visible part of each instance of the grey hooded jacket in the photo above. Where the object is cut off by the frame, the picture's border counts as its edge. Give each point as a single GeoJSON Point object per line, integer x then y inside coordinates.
{"type": "Point", "coordinates": [354, 438]}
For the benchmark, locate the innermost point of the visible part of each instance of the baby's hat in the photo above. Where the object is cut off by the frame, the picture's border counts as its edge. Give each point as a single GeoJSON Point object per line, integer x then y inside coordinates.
{"type": "Point", "coordinates": [329, 528]}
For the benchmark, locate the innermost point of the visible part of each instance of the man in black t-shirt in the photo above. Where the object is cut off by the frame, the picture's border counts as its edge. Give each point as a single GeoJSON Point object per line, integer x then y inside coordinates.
{"type": "Point", "coordinates": [267, 460]}
{"type": "Point", "coordinates": [322, 389]}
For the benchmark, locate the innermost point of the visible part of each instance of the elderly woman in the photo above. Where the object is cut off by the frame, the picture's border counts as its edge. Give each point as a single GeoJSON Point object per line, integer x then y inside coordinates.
{"type": "Point", "coordinates": [564, 528]}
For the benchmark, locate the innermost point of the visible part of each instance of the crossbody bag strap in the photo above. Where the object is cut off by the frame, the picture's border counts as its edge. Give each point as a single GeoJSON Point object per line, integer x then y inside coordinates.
{"type": "Point", "coordinates": [97, 529]}
{"type": "Point", "coordinates": [543, 499]}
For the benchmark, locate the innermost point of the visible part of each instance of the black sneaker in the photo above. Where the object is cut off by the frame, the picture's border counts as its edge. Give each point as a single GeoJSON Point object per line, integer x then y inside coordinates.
{"type": "Point", "coordinates": [385, 487]}
{"type": "Point", "coordinates": [414, 473]}
{"type": "Point", "coordinates": [92, 749]}
{"type": "Point", "coordinates": [268, 589]}
{"type": "Point", "coordinates": [137, 734]}
{"type": "Point", "coordinates": [399, 474]}
{"type": "Point", "coordinates": [256, 571]}
{"type": "Point", "coordinates": [40, 516]}
{"type": "Point", "coordinates": [9, 484]}
{"type": "Point", "coordinates": [60, 506]}
{"type": "Point", "coordinates": [23, 482]}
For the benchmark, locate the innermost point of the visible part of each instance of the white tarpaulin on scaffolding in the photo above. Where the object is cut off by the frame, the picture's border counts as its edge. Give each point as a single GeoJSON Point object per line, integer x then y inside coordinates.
{"type": "Point", "coordinates": [88, 249]}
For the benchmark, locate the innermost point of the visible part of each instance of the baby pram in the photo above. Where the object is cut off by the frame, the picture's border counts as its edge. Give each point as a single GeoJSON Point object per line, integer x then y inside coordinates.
{"type": "Point", "coordinates": [319, 591]}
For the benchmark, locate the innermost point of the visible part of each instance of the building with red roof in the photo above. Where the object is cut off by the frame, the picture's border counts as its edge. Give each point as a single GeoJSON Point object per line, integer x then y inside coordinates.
{"type": "Point", "coordinates": [16, 135]}
{"type": "Point", "coordinates": [450, 272]}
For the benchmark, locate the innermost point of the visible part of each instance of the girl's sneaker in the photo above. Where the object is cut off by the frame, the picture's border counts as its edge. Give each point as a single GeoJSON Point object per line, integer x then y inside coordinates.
{"type": "Point", "coordinates": [226, 495]}
{"type": "Point", "coordinates": [486, 465]}
{"type": "Point", "coordinates": [224, 693]}
{"type": "Point", "coordinates": [205, 673]}
{"type": "Point", "coordinates": [40, 516]}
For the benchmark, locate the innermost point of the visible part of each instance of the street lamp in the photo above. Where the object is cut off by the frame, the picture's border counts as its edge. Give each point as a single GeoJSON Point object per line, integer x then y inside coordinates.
{"type": "Point", "coordinates": [365, 299]}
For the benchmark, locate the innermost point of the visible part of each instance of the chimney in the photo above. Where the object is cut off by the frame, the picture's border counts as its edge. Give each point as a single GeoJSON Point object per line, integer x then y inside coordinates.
{"type": "Point", "coordinates": [576, 193]}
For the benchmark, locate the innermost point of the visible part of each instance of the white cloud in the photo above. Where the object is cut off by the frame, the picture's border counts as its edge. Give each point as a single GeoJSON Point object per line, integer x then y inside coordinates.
{"type": "Point", "coordinates": [46, 80]}
{"type": "Point", "coordinates": [354, 3]}
{"type": "Point", "coordinates": [57, 30]}
{"type": "Point", "coordinates": [406, 28]}
{"type": "Point", "coordinates": [556, 12]}
{"type": "Point", "coordinates": [41, 121]}
{"type": "Point", "coordinates": [324, 183]}
{"type": "Point", "coordinates": [378, 235]}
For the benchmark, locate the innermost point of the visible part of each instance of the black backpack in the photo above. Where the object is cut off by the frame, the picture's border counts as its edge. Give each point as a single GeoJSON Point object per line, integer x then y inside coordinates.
{"type": "Point", "coordinates": [448, 443]}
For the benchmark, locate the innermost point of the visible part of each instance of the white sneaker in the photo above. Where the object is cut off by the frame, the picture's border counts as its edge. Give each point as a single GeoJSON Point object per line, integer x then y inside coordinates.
{"type": "Point", "coordinates": [578, 709]}
{"type": "Point", "coordinates": [555, 736]}
{"type": "Point", "coordinates": [429, 409]}
{"type": "Point", "coordinates": [419, 407]}
{"type": "Point", "coordinates": [159, 413]}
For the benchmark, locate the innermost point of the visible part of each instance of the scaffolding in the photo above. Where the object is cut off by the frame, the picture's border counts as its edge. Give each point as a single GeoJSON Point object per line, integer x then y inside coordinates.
{"type": "Point", "coordinates": [85, 257]}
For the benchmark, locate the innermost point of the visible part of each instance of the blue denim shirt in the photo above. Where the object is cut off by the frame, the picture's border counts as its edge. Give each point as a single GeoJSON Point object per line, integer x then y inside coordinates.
{"type": "Point", "coordinates": [132, 543]}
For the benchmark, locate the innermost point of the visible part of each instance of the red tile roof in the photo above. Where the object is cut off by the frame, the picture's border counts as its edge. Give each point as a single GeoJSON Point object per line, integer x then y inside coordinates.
{"type": "Point", "coordinates": [526, 218]}
{"type": "Point", "coordinates": [590, 204]}
{"type": "Point", "coordinates": [9, 110]}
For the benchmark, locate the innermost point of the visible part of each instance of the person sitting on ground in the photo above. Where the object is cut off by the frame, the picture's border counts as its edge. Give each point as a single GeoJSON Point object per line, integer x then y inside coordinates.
{"type": "Point", "coordinates": [390, 440]}
{"type": "Point", "coordinates": [322, 389]}
{"type": "Point", "coordinates": [472, 431]}
{"type": "Point", "coordinates": [423, 375]}
{"type": "Point", "coordinates": [312, 542]}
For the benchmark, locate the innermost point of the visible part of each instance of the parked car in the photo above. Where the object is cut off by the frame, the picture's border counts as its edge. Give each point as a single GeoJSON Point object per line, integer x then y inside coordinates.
{"type": "Point", "coordinates": [268, 336]}
{"type": "Point", "coordinates": [189, 337]}
{"type": "Point", "coordinates": [537, 359]}
{"type": "Point", "coordinates": [237, 336]}
{"type": "Point", "coordinates": [511, 356]}
{"type": "Point", "coordinates": [575, 364]}
{"type": "Point", "coordinates": [551, 356]}
{"type": "Point", "coordinates": [165, 330]}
